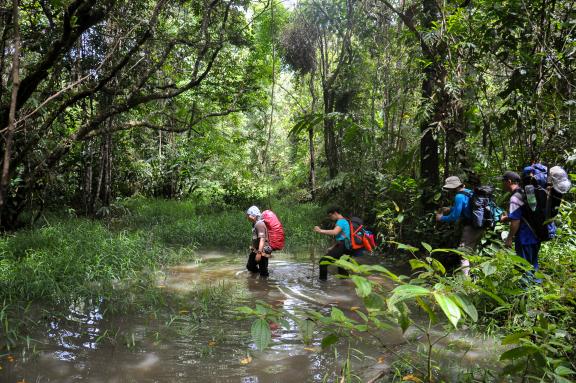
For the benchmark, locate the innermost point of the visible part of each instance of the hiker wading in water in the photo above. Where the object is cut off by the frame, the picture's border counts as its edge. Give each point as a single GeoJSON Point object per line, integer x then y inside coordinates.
{"type": "Point", "coordinates": [259, 249]}
{"type": "Point", "coordinates": [342, 233]}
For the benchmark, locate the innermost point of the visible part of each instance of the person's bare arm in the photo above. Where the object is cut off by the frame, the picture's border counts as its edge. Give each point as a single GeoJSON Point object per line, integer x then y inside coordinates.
{"type": "Point", "coordinates": [260, 250]}
{"type": "Point", "coordinates": [514, 226]}
{"type": "Point", "coordinates": [334, 231]}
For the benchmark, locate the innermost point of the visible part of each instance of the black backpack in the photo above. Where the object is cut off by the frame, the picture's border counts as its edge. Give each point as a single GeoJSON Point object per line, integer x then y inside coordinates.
{"type": "Point", "coordinates": [536, 219]}
{"type": "Point", "coordinates": [483, 209]}
{"type": "Point", "coordinates": [548, 200]}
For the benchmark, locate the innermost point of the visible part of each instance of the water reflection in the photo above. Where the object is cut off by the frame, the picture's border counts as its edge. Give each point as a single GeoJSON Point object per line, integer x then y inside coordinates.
{"type": "Point", "coordinates": [88, 346]}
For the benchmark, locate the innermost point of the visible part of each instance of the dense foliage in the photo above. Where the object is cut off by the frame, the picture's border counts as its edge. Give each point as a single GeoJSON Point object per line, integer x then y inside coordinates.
{"type": "Point", "coordinates": [216, 105]}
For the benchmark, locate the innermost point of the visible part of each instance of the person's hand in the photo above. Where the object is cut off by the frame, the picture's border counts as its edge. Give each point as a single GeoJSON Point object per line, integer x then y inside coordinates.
{"type": "Point", "coordinates": [504, 217]}
{"type": "Point", "coordinates": [317, 229]}
{"type": "Point", "coordinates": [508, 242]}
{"type": "Point", "coordinates": [258, 256]}
{"type": "Point", "coordinates": [445, 210]}
{"type": "Point", "coordinates": [438, 217]}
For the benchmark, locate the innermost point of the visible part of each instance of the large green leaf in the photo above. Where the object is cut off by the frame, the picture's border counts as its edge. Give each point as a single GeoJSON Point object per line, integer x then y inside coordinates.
{"type": "Point", "coordinates": [329, 340]}
{"type": "Point", "coordinates": [450, 308]}
{"type": "Point", "coordinates": [404, 292]}
{"type": "Point", "coordinates": [374, 302]}
{"type": "Point", "coordinates": [563, 371]}
{"type": "Point", "coordinates": [466, 306]}
{"type": "Point", "coordinates": [338, 315]}
{"type": "Point", "coordinates": [514, 338]}
{"type": "Point", "coordinates": [427, 246]}
{"type": "Point", "coordinates": [488, 268]}
{"type": "Point", "coordinates": [518, 352]}
{"type": "Point", "coordinates": [261, 334]}
{"type": "Point", "coordinates": [416, 264]}
{"type": "Point", "coordinates": [363, 285]}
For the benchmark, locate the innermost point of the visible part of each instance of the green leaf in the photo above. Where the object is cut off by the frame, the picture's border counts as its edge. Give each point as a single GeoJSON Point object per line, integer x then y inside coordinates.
{"type": "Point", "coordinates": [427, 246]}
{"type": "Point", "coordinates": [458, 252]}
{"type": "Point", "coordinates": [382, 270]}
{"type": "Point", "coordinates": [374, 302]}
{"type": "Point", "coordinates": [363, 286]}
{"type": "Point", "coordinates": [427, 308]}
{"type": "Point", "coordinates": [451, 309]}
{"type": "Point", "coordinates": [520, 261]}
{"type": "Point", "coordinates": [245, 310]}
{"type": "Point", "coordinates": [261, 334]}
{"type": "Point", "coordinates": [438, 266]}
{"type": "Point", "coordinates": [404, 320]}
{"type": "Point", "coordinates": [404, 292]}
{"type": "Point", "coordinates": [466, 306]}
{"type": "Point", "coordinates": [329, 340]}
{"type": "Point", "coordinates": [418, 264]}
{"type": "Point", "coordinates": [486, 292]}
{"type": "Point", "coordinates": [488, 268]}
{"type": "Point", "coordinates": [306, 328]}
{"type": "Point", "coordinates": [518, 352]}
{"type": "Point", "coordinates": [514, 338]}
{"type": "Point", "coordinates": [338, 315]}
{"type": "Point", "coordinates": [514, 368]}
{"type": "Point", "coordinates": [561, 379]}
{"type": "Point", "coordinates": [402, 246]}
{"type": "Point", "coordinates": [563, 371]}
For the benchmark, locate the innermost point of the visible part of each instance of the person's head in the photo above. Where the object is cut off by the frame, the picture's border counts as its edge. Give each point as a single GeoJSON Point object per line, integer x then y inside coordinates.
{"type": "Point", "coordinates": [510, 181]}
{"type": "Point", "coordinates": [453, 184]}
{"type": "Point", "coordinates": [334, 213]}
{"type": "Point", "coordinates": [253, 213]}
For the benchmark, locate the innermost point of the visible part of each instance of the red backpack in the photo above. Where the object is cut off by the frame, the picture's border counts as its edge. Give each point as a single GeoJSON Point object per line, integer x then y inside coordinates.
{"type": "Point", "coordinates": [275, 230]}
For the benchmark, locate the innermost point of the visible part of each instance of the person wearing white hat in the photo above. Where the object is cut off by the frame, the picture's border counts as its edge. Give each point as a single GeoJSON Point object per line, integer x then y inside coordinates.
{"type": "Point", "coordinates": [257, 260]}
{"type": "Point", "coordinates": [460, 212]}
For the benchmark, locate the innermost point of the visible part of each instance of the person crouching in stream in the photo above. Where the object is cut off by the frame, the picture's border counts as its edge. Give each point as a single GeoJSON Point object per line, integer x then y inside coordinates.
{"type": "Point", "coordinates": [258, 258]}
{"type": "Point", "coordinates": [341, 232]}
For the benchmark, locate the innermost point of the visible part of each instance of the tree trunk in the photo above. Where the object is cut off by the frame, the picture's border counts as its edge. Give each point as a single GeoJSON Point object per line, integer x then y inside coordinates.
{"type": "Point", "coordinates": [312, 175]}
{"type": "Point", "coordinates": [330, 146]}
{"type": "Point", "coordinates": [88, 179]}
{"type": "Point", "coordinates": [11, 127]}
{"type": "Point", "coordinates": [432, 91]}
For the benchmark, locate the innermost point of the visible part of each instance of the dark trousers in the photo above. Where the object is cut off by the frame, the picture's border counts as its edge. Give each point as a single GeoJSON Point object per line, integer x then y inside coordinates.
{"type": "Point", "coordinates": [257, 267]}
{"type": "Point", "coordinates": [336, 251]}
{"type": "Point", "coordinates": [529, 253]}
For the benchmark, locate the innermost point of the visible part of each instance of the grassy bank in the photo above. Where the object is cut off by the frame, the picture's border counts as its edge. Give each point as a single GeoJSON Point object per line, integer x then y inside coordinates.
{"type": "Point", "coordinates": [114, 261]}
{"type": "Point", "coordinates": [173, 223]}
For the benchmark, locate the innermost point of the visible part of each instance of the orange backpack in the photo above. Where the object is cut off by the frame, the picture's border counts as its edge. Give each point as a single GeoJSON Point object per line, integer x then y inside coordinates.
{"type": "Point", "coordinates": [358, 238]}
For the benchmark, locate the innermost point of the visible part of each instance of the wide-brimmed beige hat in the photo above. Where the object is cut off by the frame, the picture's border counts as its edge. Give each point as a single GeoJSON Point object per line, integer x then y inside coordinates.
{"type": "Point", "coordinates": [451, 183]}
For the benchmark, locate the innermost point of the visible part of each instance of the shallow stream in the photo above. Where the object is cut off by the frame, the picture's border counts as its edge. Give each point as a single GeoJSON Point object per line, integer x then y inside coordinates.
{"type": "Point", "coordinates": [91, 346]}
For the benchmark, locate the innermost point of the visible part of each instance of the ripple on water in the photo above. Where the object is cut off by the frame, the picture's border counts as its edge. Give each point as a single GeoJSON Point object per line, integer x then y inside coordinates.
{"type": "Point", "coordinates": [211, 350]}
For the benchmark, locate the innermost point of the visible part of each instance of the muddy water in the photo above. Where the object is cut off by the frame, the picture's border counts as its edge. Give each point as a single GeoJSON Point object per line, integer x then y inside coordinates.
{"type": "Point", "coordinates": [91, 346]}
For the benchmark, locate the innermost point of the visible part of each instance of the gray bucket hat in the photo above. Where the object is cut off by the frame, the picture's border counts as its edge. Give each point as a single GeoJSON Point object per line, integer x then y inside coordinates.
{"type": "Point", "coordinates": [452, 183]}
{"type": "Point", "coordinates": [559, 179]}
{"type": "Point", "coordinates": [254, 211]}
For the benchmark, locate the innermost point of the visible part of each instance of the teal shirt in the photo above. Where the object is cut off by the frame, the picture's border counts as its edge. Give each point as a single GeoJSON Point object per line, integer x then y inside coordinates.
{"type": "Point", "coordinates": [345, 233]}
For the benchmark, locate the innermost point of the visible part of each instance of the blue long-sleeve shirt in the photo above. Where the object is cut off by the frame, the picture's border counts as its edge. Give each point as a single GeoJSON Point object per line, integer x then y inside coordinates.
{"type": "Point", "coordinates": [460, 207]}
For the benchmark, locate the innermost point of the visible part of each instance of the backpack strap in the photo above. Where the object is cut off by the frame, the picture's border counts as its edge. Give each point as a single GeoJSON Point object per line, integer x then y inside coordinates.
{"type": "Point", "coordinates": [522, 194]}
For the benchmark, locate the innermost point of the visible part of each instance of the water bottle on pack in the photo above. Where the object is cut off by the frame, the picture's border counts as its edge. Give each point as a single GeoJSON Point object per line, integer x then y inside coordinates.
{"type": "Point", "coordinates": [531, 197]}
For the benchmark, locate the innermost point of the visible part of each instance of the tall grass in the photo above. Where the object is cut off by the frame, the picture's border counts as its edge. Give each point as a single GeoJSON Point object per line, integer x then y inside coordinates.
{"type": "Point", "coordinates": [175, 223]}
{"type": "Point", "coordinates": [114, 261]}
